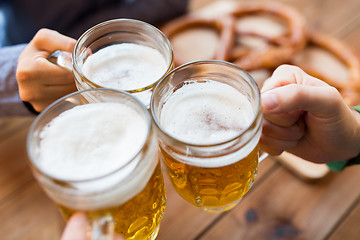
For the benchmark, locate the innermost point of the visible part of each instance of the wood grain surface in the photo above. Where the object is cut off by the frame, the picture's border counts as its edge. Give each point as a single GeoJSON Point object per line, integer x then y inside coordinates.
{"type": "Point", "coordinates": [279, 206]}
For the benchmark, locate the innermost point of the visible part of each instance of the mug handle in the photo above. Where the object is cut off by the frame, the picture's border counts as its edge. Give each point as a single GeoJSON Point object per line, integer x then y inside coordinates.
{"type": "Point", "coordinates": [263, 155]}
{"type": "Point", "coordinates": [101, 228]}
{"type": "Point", "coordinates": [61, 58]}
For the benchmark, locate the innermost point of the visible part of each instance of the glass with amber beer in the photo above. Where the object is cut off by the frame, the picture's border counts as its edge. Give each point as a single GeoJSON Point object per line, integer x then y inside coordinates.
{"type": "Point", "coordinates": [96, 151]}
{"type": "Point", "coordinates": [209, 119]}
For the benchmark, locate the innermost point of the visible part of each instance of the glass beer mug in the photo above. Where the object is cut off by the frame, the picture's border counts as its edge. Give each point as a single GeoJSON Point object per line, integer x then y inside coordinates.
{"type": "Point", "coordinates": [122, 54]}
{"type": "Point", "coordinates": [209, 118]}
{"type": "Point", "coordinates": [96, 151]}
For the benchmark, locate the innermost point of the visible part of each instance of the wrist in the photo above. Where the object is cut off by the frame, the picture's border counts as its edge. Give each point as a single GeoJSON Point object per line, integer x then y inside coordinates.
{"type": "Point", "coordinates": [338, 166]}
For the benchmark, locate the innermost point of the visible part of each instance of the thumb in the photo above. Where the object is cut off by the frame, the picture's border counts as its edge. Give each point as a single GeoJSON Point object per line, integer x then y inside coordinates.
{"type": "Point", "coordinates": [76, 227]}
{"type": "Point", "coordinates": [50, 40]}
{"type": "Point", "coordinates": [319, 100]}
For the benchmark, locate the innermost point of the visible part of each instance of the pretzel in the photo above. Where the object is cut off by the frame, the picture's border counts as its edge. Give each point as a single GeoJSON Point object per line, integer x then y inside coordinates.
{"type": "Point", "coordinates": [224, 27]}
{"type": "Point", "coordinates": [278, 51]}
{"type": "Point", "coordinates": [350, 88]}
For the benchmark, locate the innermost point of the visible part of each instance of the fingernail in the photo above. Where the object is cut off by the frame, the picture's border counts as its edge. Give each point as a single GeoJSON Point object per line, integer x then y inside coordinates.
{"type": "Point", "coordinates": [269, 101]}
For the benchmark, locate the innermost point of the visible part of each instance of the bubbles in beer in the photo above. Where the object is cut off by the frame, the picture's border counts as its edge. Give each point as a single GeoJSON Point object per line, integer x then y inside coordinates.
{"type": "Point", "coordinates": [91, 140]}
{"type": "Point", "coordinates": [206, 112]}
{"type": "Point", "coordinates": [125, 66]}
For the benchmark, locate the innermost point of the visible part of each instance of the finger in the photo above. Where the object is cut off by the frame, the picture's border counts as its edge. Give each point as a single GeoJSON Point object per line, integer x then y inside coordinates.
{"type": "Point", "coordinates": [76, 227]}
{"type": "Point", "coordinates": [275, 146]}
{"type": "Point", "coordinates": [117, 237]}
{"type": "Point", "coordinates": [287, 119]}
{"type": "Point", "coordinates": [288, 74]}
{"type": "Point", "coordinates": [292, 133]}
{"type": "Point", "coordinates": [55, 92]}
{"type": "Point", "coordinates": [59, 75]}
{"type": "Point", "coordinates": [40, 71]}
{"type": "Point", "coordinates": [293, 97]}
{"type": "Point", "coordinates": [43, 96]}
{"type": "Point", "coordinates": [50, 40]}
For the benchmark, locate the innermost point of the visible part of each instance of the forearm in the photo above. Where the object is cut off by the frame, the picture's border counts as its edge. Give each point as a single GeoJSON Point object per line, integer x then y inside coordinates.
{"type": "Point", "coordinates": [10, 102]}
{"type": "Point", "coordinates": [155, 12]}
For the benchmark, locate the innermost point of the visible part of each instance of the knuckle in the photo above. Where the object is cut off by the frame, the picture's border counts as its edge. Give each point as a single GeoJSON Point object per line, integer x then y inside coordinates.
{"type": "Point", "coordinates": [22, 75]}
{"type": "Point", "coordinates": [335, 96]}
{"type": "Point", "coordinates": [26, 95]}
{"type": "Point", "coordinates": [27, 88]}
{"type": "Point", "coordinates": [42, 36]}
{"type": "Point", "coordinates": [334, 92]}
{"type": "Point", "coordinates": [287, 67]}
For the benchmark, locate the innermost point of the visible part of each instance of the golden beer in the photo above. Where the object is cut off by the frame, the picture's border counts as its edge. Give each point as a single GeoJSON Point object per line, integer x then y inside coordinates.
{"type": "Point", "coordinates": [209, 120]}
{"type": "Point", "coordinates": [139, 217]}
{"type": "Point", "coordinates": [95, 151]}
{"type": "Point", "coordinates": [212, 188]}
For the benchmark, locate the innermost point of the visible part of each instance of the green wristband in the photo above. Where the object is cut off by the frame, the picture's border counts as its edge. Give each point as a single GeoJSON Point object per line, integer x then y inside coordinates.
{"type": "Point", "coordinates": [357, 108]}
{"type": "Point", "coordinates": [340, 165]}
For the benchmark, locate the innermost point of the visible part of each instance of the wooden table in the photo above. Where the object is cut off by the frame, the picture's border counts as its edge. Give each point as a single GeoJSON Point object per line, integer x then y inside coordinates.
{"type": "Point", "coordinates": [279, 206]}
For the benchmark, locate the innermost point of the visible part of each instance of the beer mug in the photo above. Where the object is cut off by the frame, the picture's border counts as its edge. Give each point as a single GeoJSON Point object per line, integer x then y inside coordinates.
{"type": "Point", "coordinates": [96, 151]}
{"type": "Point", "coordinates": [123, 54]}
{"type": "Point", "coordinates": [209, 118]}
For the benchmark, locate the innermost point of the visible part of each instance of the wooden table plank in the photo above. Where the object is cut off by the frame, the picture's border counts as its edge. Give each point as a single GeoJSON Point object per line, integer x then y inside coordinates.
{"type": "Point", "coordinates": [14, 170]}
{"type": "Point", "coordinates": [286, 208]}
{"type": "Point", "coordinates": [26, 212]}
{"type": "Point", "coordinates": [30, 215]}
{"type": "Point", "coordinates": [349, 228]}
{"type": "Point", "coordinates": [11, 125]}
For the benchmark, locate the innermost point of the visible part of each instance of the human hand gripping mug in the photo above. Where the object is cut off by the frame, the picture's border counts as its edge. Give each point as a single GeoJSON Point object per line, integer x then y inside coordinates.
{"type": "Point", "coordinates": [122, 54]}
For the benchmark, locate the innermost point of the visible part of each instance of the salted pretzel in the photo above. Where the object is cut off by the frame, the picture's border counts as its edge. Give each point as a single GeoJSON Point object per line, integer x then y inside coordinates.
{"type": "Point", "coordinates": [350, 87]}
{"type": "Point", "coordinates": [278, 50]}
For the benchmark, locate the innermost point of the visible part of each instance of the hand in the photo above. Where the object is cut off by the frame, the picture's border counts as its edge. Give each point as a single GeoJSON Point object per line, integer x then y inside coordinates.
{"type": "Point", "coordinates": [307, 117]}
{"type": "Point", "coordinates": [40, 81]}
{"type": "Point", "coordinates": [76, 228]}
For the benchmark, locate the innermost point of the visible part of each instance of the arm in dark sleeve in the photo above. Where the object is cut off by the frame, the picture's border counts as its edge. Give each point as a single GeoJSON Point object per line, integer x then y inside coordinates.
{"type": "Point", "coordinates": [10, 102]}
{"type": "Point", "coordinates": [155, 12]}
{"type": "Point", "coordinates": [74, 17]}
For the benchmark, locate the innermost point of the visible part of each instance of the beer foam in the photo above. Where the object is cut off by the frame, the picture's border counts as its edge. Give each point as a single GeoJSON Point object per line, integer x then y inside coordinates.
{"type": "Point", "coordinates": [206, 112]}
{"type": "Point", "coordinates": [125, 66]}
{"type": "Point", "coordinates": [90, 141]}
